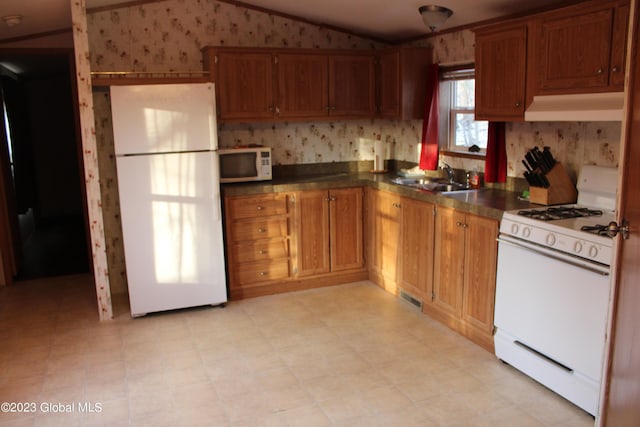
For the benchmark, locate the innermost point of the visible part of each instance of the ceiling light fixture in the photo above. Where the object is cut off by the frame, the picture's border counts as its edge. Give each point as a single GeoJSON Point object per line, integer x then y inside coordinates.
{"type": "Point", "coordinates": [12, 20]}
{"type": "Point", "coordinates": [434, 16]}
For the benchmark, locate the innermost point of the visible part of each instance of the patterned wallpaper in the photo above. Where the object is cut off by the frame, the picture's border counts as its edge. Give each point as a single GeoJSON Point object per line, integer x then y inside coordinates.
{"type": "Point", "coordinates": [90, 161]}
{"type": "Point", "coordinates": [168, 35]}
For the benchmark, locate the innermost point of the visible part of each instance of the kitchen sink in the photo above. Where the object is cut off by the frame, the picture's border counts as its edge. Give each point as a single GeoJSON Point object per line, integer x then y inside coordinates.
{"type": "Point", "coordinates": [435, 185]}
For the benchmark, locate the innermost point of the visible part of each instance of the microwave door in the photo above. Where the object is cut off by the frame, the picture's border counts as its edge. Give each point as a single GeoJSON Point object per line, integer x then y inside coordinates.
{"type": "Point", "coordinates": [239, 165]}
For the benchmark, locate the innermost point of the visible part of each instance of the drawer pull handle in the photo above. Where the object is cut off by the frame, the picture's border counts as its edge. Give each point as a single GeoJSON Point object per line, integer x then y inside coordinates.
{"type": "Point", "coordinates": [262, 252]}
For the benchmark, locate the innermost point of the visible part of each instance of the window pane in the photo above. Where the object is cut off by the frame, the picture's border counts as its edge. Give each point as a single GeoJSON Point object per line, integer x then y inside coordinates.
{"type": "Point", "coordinates": [464, 96]}
{"type": "Point", "coordinates": [468, 132]}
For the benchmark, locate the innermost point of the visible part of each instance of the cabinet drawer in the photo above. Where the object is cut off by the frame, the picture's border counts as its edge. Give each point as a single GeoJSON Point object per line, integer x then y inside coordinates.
{"type": "Point", "coordinates": [248, 274]}
{"type": "Point", "coordinates": [256, 230]}
{"type": "Point", "coordinates": [261, 250]}
{"type": "Point", "coordinates": [256, 207]}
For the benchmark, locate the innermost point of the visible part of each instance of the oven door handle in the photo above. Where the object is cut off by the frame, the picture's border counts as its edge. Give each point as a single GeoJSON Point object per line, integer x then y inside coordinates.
{"type": "Point", "coordinates": [567, 259]}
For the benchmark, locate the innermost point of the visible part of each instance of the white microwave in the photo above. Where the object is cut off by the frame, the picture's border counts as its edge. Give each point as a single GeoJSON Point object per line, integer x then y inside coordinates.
{"type": "Point", "coordinates": [245, 164]}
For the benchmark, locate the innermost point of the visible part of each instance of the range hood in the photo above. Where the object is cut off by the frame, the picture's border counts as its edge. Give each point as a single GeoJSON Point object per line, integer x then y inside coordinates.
{"type": "Point", "coordinates": [584, 107]}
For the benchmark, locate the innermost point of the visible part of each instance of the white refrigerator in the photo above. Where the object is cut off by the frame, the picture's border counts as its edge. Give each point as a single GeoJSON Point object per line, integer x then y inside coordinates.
{"type": "Point", "coordinates": [165, 140]}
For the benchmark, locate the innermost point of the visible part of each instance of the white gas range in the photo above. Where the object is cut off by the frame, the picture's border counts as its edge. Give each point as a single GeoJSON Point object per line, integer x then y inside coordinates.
{"type": "Point", "coordinates": [553, 286]}
{"type": "Point", "coordinates": [576, 231]}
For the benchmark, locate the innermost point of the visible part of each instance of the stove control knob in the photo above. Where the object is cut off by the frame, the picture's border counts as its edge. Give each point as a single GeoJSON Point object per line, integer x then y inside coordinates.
{"type": "Point", "coordinates": [514, 229]}
{"type": "Point", "coordinates": [593, 251]}
{"type": "Point", "coordinates": [577, 247]}
{"type": "Point", "coordinates": [526, 232]}
{"type": "Point", "coordinates": [551, 239]}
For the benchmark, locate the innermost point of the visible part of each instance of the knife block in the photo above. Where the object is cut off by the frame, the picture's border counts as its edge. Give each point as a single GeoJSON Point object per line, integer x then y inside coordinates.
{"type": "Point", "coordinates": [561, 189]}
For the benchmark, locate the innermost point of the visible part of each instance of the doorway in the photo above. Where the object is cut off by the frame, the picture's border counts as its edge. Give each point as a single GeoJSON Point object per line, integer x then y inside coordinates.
{"type": "Point", "coordinates": [43, 187]}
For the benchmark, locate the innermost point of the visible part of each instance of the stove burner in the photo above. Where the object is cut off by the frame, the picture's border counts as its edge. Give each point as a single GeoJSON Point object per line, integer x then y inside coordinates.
{"type": "Point", "coordinates": [560, 212]}
{"type": "Point", "coordinates": [600, 230]}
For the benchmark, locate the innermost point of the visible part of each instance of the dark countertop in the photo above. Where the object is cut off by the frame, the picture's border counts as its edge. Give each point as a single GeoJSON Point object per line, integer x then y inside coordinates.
{"type": "Point", "coordinates": [486, 201]}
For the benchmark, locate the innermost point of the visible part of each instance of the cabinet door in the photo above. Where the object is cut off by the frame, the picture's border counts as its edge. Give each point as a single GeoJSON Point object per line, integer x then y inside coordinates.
{"type": "Point", "coordinates": [449, 261]}
{"type": "Point", "coordinates": [575, 52]}
{"type": "Point", "coordinates": [244, 81]}
{"type": "Point", "coordinates": [386, 234]}
{"type": "Point", "coordinates": [619, 46]}
{"type": "Point", "coordinates": [389, 95]}
{"type": "Point", "coordinates": [346, 240]}
{"type": "Point", "coordinates": [352, 85]}
{"type": "Point", "coordinates": [480, 272]}
{"type": "Point", "coordinates": [312, 232]}
{"type": "Point", "coordinates": [302, 85]}
{"type": "Point", "coordinates": [501, 57]}
{"type": "Point", "coordinates": [417, 237]}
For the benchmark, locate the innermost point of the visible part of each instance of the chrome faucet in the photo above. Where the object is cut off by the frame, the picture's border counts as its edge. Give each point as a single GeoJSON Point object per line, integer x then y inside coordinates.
{"type": "Point", "coordinates": [449, 171]}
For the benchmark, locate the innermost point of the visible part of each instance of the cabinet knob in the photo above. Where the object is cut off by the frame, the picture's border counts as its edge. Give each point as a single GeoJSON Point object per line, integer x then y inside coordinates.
{"type": "Point", "coordinates": [397, 205]}
{"type": "Point", "coordinates": [262, 252]}
{"type": "Point", "coordinates": [261, 230]}
{"type": "Point", "coordinates": [615, 69]}
{"type": "Point", "coordinates": [263, 273]}
{"type": "Point", "coordinates": [518, 104]}
{"type": "Point", "coordinates": [461, 224]}
{"type": "Point", "coordinates": [600, 71]}
{"type": "Point", "coordinates": [260, 207]}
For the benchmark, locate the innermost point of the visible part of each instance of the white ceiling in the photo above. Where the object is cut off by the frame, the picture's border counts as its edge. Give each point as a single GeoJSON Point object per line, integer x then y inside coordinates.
{"type": "Point", "coordinates": [381, 19]}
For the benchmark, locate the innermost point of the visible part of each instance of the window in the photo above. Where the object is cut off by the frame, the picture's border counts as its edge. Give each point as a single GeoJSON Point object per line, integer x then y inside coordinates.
{"type": "Point", "coordinates": [461, 131]}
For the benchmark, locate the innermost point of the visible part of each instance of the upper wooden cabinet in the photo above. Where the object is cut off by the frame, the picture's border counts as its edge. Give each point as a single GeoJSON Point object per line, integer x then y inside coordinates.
{"type": "Point", "coordinates": [260, 84]}
{"type": "Point", "coordinates": [401, 82]}
{"type": "Point", "coordinates": [352, 85]}
{"type": "Point", "coordinates": [580, 49]}
{"type": "Point", "coordinates": [619, 46]}
{"type": "Point", "coordinates": [574, 49]}
{"type": "Point", "coordinates": [247, 91]}
{"type": "Point", "coordinates": [501, 64]}
{"type": "Point", "coordinates": [302, 85]}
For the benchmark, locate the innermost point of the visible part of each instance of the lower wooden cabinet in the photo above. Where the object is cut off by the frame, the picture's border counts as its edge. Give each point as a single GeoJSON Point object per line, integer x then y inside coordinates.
{"type": "Point", "coordinates": [401, 243]}
{"type": "Point", "coordinates": [445, 258]}
{"type": "Point", "coordinates": [441, 256]}
{"type": "Point", "coordinates": [383, 244]}
{"type": "Point", "coordinates": [281, 242]}
{"type": "Point", "coordinates": [328, 231]}
{"type": "Point", "coordinates": [465, 274]}
{"type": "Point", "coordinates": [257, 242]}
{"type": "Point", "coordinates": [416, 248]}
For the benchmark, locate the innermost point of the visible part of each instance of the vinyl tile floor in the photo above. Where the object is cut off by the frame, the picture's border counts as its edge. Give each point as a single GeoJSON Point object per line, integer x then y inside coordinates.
{"type": "Point", "coordinates": [349, 355]}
